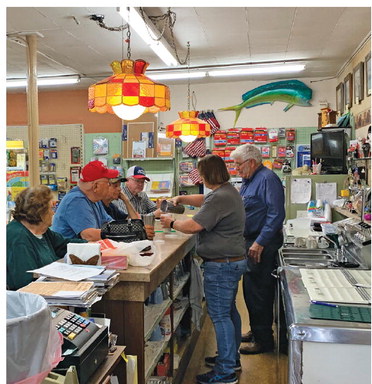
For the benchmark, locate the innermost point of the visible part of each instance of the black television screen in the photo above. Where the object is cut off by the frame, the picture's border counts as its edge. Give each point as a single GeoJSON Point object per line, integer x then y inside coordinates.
{"type": "Point", "coordinates": [329, 148]}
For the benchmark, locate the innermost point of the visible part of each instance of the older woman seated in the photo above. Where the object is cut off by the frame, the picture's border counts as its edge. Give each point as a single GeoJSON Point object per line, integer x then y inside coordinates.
{"type": "Point", "coordinates": [30, 243]}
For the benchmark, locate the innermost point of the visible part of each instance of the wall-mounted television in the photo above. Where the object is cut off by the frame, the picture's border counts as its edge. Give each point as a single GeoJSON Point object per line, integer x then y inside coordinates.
{"type": "Point", "coordinates": [330, 148]}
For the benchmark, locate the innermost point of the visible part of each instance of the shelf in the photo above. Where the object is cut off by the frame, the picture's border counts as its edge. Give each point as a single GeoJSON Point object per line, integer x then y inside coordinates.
{"type": "Point", "coordinates": [178, 314]}
{"type": "Point", "coordinates": [153, 352]}
{"type": "Point", "coordinates": [347, 213]}
{"type": "Point", "coordinates": [153, 314]}
{"type": "Point", "coordinates": [181, 283]}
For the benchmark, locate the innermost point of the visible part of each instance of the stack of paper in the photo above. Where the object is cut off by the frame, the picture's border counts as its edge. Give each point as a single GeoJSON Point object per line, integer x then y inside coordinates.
{"type": "Point", "coordinates": [65, 293]}
{"type": "Point", "coordinates": [336, 285]}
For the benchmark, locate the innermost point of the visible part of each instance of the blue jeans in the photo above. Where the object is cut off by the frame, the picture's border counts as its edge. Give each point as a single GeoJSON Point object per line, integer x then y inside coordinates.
{"type": "Point", "coordinates": [220, 286]}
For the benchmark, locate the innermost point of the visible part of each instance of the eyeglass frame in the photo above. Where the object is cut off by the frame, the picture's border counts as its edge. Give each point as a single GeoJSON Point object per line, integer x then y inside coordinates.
{"type": "Point", "coordinates": [237, 165]}
{"type": "Point", "coordinates": [138, 181]}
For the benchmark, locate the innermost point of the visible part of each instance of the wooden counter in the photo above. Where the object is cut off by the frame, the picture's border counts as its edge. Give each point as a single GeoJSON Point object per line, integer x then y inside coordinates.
{"type": "Point", "coordinates": [124, 303]}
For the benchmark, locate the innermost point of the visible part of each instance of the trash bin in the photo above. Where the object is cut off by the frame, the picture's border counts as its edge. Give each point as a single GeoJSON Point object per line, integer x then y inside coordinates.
{"type": "Point", "coordinates": [33, 343]}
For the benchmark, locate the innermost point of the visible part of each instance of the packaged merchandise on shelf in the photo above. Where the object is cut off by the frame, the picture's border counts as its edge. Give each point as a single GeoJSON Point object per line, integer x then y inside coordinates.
{"type": "Point", "coordinates": [273, 135]}
{"type": "Point", "coordinates": [290, 134]}
{"type": "Point", "coordinates": [228, 150]}
{"type": "Point", "coordinates": [220, 139]}
{"type": "Point", "coordinates": [290, 151]}
{"type": "Point", "coordinates": [185, 181]}
{"type": "Point", "coordinates": [282, 151]}
{"type": "Point", "coordinates": [219, 152]}
{"type": "Point", "coordinates": [186, 166]}
{"type": "Point", "coordinates": [233, 136]}
{"type": "Point", "coordinates": [281, 133]}
{"type": "Point", "coordinates": [247, 136]}
{"type": "Point", "coordinates": [52, 142]}
{"type": "Point", "coordinates": [260, 135]}
{"type": "Point", "coordinates": [265, 151]}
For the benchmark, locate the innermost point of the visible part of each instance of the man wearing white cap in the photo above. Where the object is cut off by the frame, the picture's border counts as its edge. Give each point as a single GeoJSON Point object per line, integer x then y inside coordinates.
{"type": "Point", "coordinates": [133, 188]}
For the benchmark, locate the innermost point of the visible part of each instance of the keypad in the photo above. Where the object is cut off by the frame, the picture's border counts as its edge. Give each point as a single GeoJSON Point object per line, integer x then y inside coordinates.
{"type": "Point", "coordinates": [72, 325]}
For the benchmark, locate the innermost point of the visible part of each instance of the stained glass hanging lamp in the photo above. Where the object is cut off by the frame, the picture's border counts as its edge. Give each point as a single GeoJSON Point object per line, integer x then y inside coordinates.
{"type": "Point", "coordinates": [128, 93]}
{"type": "Point", "coordinates": [188, 127]}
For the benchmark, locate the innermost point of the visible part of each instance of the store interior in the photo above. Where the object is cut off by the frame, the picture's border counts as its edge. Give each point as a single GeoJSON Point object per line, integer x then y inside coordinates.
{"type": "Point", "coordinates": [313, 128]}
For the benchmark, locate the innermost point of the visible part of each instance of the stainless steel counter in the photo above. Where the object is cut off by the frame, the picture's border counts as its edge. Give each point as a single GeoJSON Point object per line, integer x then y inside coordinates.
{"type": "Point", "coordinates": [322, 351]}
{"type": "Point", "coordinates": [302, 327]}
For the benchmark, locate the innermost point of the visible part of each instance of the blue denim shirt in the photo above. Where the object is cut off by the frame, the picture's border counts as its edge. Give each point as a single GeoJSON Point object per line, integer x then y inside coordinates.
{"type": "Point", "coordinates": [263, 198]}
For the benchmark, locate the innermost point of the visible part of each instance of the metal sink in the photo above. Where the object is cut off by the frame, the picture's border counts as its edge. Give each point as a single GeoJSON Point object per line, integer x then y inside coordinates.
{"type": "Point", "coordinates": [304, 257]}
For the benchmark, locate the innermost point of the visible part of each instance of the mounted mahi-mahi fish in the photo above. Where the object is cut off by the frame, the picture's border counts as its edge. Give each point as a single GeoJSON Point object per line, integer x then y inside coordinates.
{"type": "Point", "coordinates": [292, 92]}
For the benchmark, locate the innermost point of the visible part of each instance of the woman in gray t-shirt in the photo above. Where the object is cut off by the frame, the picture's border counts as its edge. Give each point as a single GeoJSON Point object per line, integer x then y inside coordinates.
{"type": "Point", "coordinates": [219, 226]}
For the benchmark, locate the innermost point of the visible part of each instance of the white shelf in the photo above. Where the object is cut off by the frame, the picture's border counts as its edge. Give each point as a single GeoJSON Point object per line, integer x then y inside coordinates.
{"type": "Point", "coordinates": [153, 314]}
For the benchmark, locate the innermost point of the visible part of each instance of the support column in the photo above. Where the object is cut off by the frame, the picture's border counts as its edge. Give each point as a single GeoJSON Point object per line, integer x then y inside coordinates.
{"type": "Point", "coordinates": [32, 111]}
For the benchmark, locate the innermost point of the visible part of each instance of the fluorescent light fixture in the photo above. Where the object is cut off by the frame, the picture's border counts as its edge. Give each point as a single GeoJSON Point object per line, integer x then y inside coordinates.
{"type": "Point", "coordinates": [147, 31]}
{"type": "Point", "coordinates": [42, 81]}
{"type": "Point", "coordinates": [283, 68]}
{"type": "Point", "coordinates": [176, 75]}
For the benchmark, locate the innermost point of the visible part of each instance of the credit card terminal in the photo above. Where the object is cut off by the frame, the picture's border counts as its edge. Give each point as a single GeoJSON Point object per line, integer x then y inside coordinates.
{"type": "Point", "coordinates": [85, 344]}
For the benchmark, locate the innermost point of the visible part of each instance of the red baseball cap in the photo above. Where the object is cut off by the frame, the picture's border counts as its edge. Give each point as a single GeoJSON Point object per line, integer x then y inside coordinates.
{"type": "Point", "coordinates": [95, 170]}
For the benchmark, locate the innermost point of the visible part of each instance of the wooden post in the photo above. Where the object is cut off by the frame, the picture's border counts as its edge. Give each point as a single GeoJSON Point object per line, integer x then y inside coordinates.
{"type": "Point", "coordinates": [32, 111]}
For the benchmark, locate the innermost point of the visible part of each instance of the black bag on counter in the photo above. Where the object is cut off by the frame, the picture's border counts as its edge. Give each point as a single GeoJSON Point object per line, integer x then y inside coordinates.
{"type": "Point", "coordinates": [124, 230]}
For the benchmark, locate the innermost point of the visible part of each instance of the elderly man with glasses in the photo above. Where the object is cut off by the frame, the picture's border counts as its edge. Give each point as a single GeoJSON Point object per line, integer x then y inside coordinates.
{"type": "Point", "coordinates": [133, 188]}
{"type": "Point", "coordinates": [263, 197]}
{"type": "Point", "coordinates": [81, 213]}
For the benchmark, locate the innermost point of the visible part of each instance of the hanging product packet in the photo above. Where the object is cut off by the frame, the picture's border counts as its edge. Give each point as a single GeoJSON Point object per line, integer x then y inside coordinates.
{"type": "Point", "coordinates": [273, 135]}
{"type": "Point", "coordinates": [247, 136]}
{"type": "Point", "coordinates": [290, 134]}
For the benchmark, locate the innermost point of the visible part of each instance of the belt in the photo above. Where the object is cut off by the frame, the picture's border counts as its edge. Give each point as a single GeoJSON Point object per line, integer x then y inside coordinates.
{"type": "Point", "coordinates": [226, 259]}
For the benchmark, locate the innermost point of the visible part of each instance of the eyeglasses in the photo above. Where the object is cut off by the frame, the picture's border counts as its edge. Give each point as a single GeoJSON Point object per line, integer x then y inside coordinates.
{"type": "Point", "coordinates": [238, 165]}
{"type": "Point", "coordinates": [139, 181]}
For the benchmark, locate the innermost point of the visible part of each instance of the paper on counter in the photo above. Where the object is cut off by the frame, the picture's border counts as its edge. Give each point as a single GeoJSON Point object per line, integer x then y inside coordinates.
{"type": "Point", "coordinates": [330, 285]}
{"type": "Point", "coordinates": [68, 272]}
{"type": "Point", "coordinates": [300, 191]}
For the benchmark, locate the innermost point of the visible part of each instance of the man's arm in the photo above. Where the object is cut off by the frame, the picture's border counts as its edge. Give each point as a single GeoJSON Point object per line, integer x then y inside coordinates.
{"type": "Point", "coordinates": [91, 234]}
{"type": "Point", "coordinates": [132, 213]}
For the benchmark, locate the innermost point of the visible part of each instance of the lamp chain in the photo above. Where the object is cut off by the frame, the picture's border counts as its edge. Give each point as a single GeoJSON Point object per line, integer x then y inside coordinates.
{"type": "Point", "coordinates": [129, 52]}
{"type": "Point", "coordinates": [169, 20]}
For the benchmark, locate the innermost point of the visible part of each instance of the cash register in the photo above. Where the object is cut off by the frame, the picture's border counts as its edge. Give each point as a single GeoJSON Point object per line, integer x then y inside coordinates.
{"type": "Point", "coordinates": [85, 344]}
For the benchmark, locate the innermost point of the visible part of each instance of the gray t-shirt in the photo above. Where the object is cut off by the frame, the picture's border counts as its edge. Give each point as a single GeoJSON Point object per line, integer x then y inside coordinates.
{"type": "Point", "coordinates": [222, 216]}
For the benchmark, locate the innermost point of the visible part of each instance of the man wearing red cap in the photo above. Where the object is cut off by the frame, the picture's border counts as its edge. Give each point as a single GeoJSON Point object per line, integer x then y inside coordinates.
{"type": "Point", "coordinates": [81, 212]}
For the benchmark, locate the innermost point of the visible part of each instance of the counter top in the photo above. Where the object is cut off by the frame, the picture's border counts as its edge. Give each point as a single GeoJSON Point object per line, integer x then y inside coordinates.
{"type": "Point", "coordinates": [302, 327]}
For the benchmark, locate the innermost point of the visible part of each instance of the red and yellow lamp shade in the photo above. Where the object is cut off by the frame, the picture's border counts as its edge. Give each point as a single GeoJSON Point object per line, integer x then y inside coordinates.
{"type": "Point", "coordinates": [188, 127]}
{"type": "Point", "coordinates": [128, 92]}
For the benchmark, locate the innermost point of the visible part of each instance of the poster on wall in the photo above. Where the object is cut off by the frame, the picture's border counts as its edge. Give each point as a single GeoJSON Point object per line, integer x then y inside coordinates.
{"type": "Point", "coordinates": [303, 156]}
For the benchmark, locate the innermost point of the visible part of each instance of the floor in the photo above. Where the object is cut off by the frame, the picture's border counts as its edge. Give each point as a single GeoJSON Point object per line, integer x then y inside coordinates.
{"type": "Point", "coordinates": [266, 368]}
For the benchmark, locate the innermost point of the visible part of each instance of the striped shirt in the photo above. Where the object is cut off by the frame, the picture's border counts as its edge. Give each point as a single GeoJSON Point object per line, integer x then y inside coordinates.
{"type": "Point", "coordinates": [141, 202]}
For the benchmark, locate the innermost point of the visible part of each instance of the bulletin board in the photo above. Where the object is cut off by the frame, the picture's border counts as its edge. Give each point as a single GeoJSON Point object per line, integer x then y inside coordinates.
{"type": "Point", "coordinates": [67, 135]}
{"type": "Point", "coordinates": [139, 132]}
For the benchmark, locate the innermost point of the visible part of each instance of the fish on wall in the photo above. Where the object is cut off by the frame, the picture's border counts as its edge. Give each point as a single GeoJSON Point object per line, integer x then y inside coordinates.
{"type": "Point", "coordinates": [292, 92]}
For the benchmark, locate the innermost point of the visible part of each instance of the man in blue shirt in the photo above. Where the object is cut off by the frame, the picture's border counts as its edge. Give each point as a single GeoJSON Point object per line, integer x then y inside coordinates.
{"type": "Point", "coordinates": [81, 212]}
{"type": "Point", "coordinates": [263, 197]}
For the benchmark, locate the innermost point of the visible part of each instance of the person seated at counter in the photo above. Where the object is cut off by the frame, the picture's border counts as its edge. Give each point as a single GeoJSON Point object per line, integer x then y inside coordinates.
{"type": "Point", "coordinates": [133, 188]}
{"type": "Point", "coordinates": [115, 193]}
{"type": "Point", "coordinates": [81, 213]}
{"type": "Point", "coordinates": [30, 244]}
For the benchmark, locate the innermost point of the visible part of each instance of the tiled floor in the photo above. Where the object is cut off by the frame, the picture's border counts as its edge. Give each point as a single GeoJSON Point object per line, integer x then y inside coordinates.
{"type": "Point", "coordinates": [266, 368]}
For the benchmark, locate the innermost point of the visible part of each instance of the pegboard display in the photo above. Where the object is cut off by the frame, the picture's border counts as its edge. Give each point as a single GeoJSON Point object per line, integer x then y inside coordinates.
{"type": "Point", "coordinates": [66, 135]}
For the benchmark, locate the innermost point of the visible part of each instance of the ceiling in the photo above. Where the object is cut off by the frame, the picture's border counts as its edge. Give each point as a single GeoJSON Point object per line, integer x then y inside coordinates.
{"type": "Point", "coordinates": [71, 43]}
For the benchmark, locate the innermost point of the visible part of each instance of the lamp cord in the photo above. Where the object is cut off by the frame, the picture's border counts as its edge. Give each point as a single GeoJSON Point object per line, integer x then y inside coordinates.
{"type": "Point", "coordinates": [188, 71]}
{"type": "Point", "coordinates": [129, 52]}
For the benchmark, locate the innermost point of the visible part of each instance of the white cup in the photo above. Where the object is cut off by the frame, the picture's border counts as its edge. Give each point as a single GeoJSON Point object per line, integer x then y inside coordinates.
{"type": "Point", "coordinates": [167, 230]}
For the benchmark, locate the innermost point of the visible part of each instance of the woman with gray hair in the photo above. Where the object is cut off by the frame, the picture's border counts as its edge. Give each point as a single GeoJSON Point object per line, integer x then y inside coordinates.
{"type": "Point", "coordinates": [30, 244]}
{"type": "Point", "coordinates": [263, 199]}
